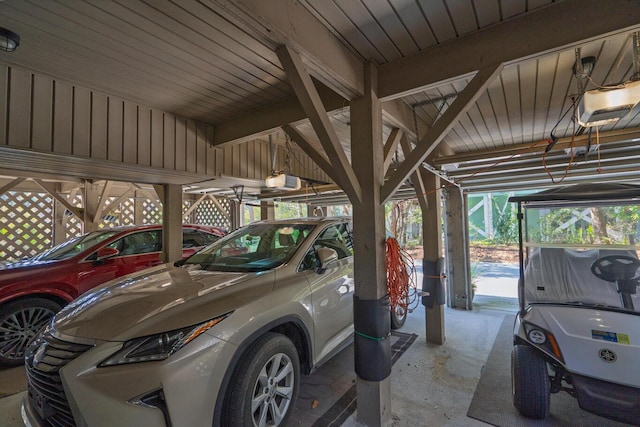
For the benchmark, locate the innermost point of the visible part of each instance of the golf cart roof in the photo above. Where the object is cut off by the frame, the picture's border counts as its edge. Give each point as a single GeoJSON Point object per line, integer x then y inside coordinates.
{"type": "Point", "coordinates": [578, 192]}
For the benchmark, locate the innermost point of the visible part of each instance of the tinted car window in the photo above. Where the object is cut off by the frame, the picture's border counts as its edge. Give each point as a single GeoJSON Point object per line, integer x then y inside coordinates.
{"type": "Point", "coordinates": [74, 246]}
{"type": "Point", "coordinates": [194, 238]}
{"type": "Point", "coordinates": [337, 237]}
{"type": "Point", "coordinates": [139, 243]}
{"type": "Point", "coordinates": [256, 247]}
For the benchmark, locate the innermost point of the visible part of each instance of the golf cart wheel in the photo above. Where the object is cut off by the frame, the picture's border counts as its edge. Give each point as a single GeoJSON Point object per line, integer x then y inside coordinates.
{"type": "Point", "coordinates": [398, 317]}
{"type": "Point", "coordinates": [530, 382]}
{"type": "Point", "coordinates": [264, 390]}
{"type": "Point", "coordinates": [20, 321]}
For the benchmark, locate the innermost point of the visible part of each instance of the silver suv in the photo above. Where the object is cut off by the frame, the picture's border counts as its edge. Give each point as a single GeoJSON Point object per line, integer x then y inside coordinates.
{"type": "Point", "coordinates": [218, 339]}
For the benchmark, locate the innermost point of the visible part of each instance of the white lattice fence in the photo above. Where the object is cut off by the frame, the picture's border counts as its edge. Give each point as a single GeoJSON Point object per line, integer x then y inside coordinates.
{"type": "Point", "coordinates": [26, 224]}
{"type": "Point", "coordinates": [73, 225]}
{"type": "Point", "coordinates": [123, 214]}
{"type": "Point", "coordinates": [208, 213]}
{"type": "Point", "coordinates": [151, 212]}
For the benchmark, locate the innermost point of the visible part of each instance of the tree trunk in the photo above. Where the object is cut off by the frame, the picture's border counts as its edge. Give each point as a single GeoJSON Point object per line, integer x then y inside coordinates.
{"type": "Point", "coordinates": [599, 225]}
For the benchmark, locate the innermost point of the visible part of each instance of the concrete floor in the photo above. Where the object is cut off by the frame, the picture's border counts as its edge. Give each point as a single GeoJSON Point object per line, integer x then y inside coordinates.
{"type": "Point", "coordinates": [432, 385]}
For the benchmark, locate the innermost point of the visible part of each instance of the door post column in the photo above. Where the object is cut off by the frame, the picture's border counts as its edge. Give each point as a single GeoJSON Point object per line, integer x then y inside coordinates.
{"type": "Point", "coordinates": [171, 223]}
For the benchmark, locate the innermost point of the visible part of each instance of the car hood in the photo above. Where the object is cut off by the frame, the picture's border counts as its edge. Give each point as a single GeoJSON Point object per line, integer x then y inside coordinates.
{"type": "Point", "coordinates": [158, 300]}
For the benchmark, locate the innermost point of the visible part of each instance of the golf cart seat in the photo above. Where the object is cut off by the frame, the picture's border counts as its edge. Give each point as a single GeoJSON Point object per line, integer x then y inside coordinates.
{"type": "Point", "coordinates": [560, 275]}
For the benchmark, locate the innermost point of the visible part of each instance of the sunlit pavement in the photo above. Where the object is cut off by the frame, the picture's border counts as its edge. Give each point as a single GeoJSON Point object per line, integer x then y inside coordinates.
{"type": "Point", "coordinates": [497, 279]}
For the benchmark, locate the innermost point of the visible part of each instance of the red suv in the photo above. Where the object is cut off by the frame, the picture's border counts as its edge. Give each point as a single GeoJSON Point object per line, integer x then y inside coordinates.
{"type": "Point", "coordinates": [34, 289]}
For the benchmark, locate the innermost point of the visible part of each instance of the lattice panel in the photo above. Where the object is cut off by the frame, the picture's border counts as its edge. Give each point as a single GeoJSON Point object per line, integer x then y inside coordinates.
{"type": "Point", "coordinates": [151, 212]}
{"type": "Point", "coordinates": [73, 226]}
{"type": "Point", "coordinates": [187, 219]}
{"type": "Point", "coordinates": [26, 224]}
{"type": "Point", "coordinates": [208, 213]}
{"type": "Point", "coordinates": [127, 212]}
{"type": "Point", "coordinates": [123, 214]}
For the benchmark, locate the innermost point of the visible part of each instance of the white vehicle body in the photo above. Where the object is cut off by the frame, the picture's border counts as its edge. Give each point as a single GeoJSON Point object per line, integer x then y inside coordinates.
{"type": "Point", "coordinates": [578, 329]}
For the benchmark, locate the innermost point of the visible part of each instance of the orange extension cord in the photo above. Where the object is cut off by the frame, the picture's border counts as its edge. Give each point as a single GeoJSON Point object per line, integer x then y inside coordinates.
{"type": "Point", "coordinates": [401, 278]}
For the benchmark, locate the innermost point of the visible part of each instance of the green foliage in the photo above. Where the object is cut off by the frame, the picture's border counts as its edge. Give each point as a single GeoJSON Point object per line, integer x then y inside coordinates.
{"type": "Point", "coordinates": [505, 224]}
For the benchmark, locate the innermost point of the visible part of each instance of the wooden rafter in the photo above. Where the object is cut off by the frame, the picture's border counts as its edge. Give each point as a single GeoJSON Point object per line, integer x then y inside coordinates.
{"type": "Point", "coordinates": [51, 189]}
{"type": "Point", "coordinates": [312, 104]}
{"type": "Point", "coordinates": [310, 150]}
{"type": "Point", "coordinates": [440, 128]}
{"type": "Point", "coordinates": [106, 210]}
{"type": "Point", "coordinates": [103, 200]}
{"type": "Point", "coordinates": [390, 146]}
{"type": "Point", "coordinates": [11, 185]}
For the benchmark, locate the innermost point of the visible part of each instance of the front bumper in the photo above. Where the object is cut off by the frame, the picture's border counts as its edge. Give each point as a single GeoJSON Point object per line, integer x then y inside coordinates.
{"type": "Point", "coordinates": [614, 401]}
{"type": "Point", "coordinates": [189, 382]}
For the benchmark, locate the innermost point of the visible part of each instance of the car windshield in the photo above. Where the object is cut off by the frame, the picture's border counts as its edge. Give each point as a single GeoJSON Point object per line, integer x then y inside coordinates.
{"type": "Point", "coordinates": [74, 246]}
{"type": "Point", "coordinates": [562, 241]}
{"type": "Point", "coordinates": [256, 247]}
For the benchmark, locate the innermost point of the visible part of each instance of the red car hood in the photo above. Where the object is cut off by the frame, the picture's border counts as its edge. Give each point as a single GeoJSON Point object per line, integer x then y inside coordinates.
{"type": "Point", "coordinates": [158, 300]}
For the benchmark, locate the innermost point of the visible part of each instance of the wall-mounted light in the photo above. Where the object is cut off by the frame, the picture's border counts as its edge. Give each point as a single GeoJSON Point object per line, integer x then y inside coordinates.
{"type": "Point", "coordinates": [9, 40]}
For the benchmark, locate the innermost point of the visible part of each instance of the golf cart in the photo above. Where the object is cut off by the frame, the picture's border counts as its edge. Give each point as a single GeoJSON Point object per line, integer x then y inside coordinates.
{"type": "Point", "coordinates": [578, 325]}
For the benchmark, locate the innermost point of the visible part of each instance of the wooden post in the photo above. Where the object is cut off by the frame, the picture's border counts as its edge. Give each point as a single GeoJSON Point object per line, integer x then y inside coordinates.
{"type": "Point", "coordinates": [371, 315]}
{"type": "Point", "coordinates": [459, 289]}
{"type": "Point", "coordinates": [171, 222]}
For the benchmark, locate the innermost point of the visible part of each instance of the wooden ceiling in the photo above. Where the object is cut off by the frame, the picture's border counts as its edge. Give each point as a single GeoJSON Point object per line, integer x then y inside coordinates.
{"type": "Point", "coordinates": [215, 61]}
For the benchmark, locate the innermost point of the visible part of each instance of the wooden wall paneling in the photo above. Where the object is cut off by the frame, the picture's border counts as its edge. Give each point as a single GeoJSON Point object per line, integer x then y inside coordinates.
{"type": "Point", "coordinates": [227, 167]}
{"type": "Point", "coordinates": [130, 133]}
{"type": "Point", "coordinates": [41, 113]}
{"type": "Point", "coordinates": [201, 148]}
{"type": "Point", "coordinates": [544, 90]}
{"type": "Point", "coordinates": [169, 141]}
{"type": "Point", "coordinates": [244, 155]}
{"type": "Point", "coordinates": [115, 129]}
{"type": "Point", "coordinates": [253, 166]}
{"type": "Point", "coordinates": [499, 110]}
{"type": "Point", "coordinates": [81, 121]}
{"type": "Point", "coordinates": [157, 140]}
{"type": "Point", "coordinates": [19, 108]}
{"type": "Point", "coordinates": [62, 118]}
{"type": "Point", "coordinates": [512, 100]}
{"type": "Point", "coordinates": [265, 159]}
{"type": "Point", "coordinates": [192, 149]}
{"type": "Point", "coordinates": [99, 124]}
{"type": "Point", "coordinates": [563, 85]}
{"type": "Point", "coordinates": [4, 101]}
{"type": "Point", "coordinates": [235, 160]}
{"type": "Point", "coordinates": [144, 135]}
{"type": "Point", "coordinates": [211, 152]}
{"type": "Point", "coordinates": [181, 145]}
{"type": "Point", "coordinates": [528, 85]}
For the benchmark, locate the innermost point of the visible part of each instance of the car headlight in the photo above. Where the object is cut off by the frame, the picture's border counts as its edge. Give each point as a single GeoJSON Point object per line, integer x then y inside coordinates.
{"type": "Point", "coordinates": [159, 346]}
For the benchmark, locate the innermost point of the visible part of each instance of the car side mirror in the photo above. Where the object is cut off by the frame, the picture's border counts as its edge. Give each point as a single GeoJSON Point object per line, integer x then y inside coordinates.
{"type": "Point", "coordinates": [325, 256]}
{"type": "Point", "coordinates": [105, 253]}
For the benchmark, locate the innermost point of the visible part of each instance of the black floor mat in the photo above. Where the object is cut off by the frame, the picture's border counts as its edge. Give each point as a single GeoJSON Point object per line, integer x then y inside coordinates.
{"type": "Point", "coordinates": [492, 401]}
{"type": "Point", "coordinates": [328, 396]}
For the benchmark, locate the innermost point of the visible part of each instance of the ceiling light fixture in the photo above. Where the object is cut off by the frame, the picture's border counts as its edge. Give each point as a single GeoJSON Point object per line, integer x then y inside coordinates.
{"type": "Point", "coordinates": [283, 182]}
{"type": "Point", "coordinates": [9, 40]}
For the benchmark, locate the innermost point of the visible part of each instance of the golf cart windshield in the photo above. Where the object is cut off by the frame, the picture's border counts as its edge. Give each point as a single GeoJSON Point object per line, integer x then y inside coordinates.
{"type": "Point", "coordinates": [564, 231]}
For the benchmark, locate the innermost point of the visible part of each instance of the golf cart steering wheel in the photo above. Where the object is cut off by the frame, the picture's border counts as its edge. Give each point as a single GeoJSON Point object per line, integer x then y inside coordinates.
{"type": "Point", "coordinates": [613, 268]}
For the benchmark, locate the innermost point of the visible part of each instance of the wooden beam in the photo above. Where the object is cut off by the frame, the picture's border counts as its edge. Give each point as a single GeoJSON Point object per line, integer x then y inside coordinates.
{"type": "Point", "coordinates": [539, 146]}
{"type": "Point", "coordinates": [103, 200]}
{"type": "Point", "coordinates": [11, 185]}
{"type": "Point", "coordinates": [116, 202]}
{"type": "Point", "coordinates": [285, 22]}
{"type": "Point", "coordinates": [310, 150]}
{"type": "Point", "coordinates": [219, 206]}
{"type": "Point", "coordinates": [390, 146]}
{"type": "Point", "coordinates": [195, 204]}
{"type": "Point", "coordinates": [312, 104]}
{"type": "Point", "coordinates": [261, 122]}
{"type": "Point", "coordinates": [51, 189]}
{"type": "Point", "coordinates": [515, 39]}
{"type": "Point", "coordinates": [440, 128]}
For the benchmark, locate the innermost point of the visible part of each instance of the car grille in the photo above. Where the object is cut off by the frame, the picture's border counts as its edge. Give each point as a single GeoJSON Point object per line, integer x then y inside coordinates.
{"type": "Point", "coordinates": [43, 360]}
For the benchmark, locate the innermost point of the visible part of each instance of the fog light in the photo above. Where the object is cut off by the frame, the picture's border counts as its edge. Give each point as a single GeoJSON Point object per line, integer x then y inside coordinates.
{"type": "Point", "coordinates": [536, 336]}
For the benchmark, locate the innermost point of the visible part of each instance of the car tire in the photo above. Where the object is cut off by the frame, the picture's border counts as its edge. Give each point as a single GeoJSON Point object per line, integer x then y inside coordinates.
{"type": "Point", "coordinates": [531, 387]}
{"type": "Point", "coordinates": [267, 379]}
{"type": "Point", "coordinates": [20, 321]}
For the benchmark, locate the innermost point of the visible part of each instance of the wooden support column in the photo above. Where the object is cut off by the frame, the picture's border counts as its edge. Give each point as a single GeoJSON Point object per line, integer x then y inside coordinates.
{"type": "Point", "coordinates": [432, 246]}
{"type": "Point", "coordinates": [91, 198]}
{"type": "Point", "coordinates": [59, 229]}
{"type": "Point", "coordinates": [459, 289]}
{"type": "Point", "coordinates": [267, 210]}
{"type": "Point", "coordinates": [171, 222]}
{"type": "Point", "coordinates": [235, 211]}
{"type": "Point", "coordinates": [371, 312]}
